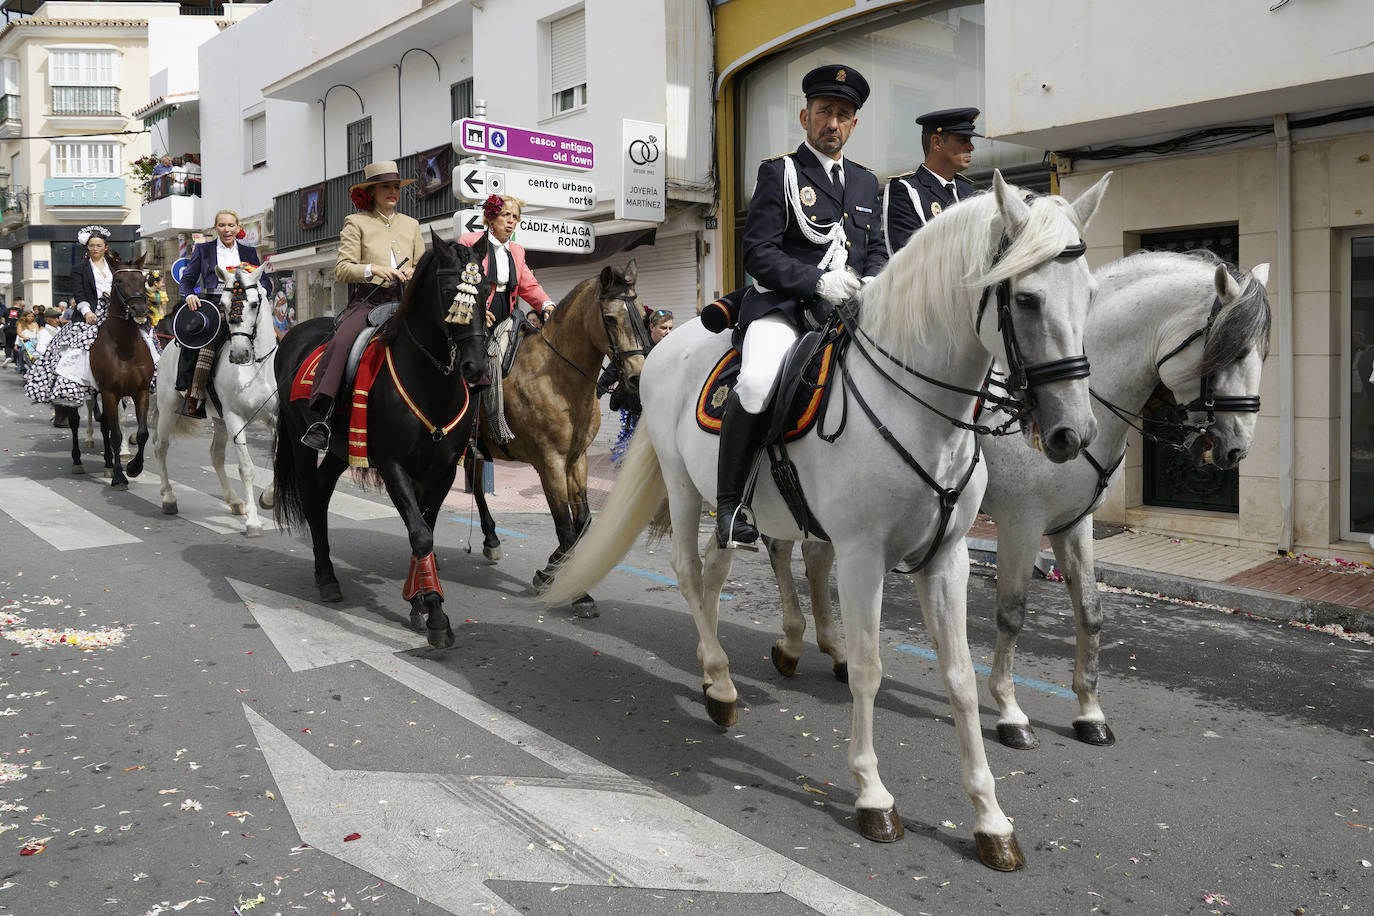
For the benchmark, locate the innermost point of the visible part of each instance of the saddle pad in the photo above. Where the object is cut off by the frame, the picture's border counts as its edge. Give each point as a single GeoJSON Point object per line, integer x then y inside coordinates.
{"type": "Point", "coordinates": [711, 401]}
{"type": "Point", "coordinates": [368, 369]}
{"type": "Point", "coordinates": [305, 375]}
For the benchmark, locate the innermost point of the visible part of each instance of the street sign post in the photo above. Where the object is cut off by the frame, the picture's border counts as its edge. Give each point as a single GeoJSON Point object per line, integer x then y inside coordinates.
{"type": "Point", "coordinates": [485, 138]}
{"type": "Point", "coordinates": [537, 233]}
{"type": "Point", "coordinates": [564, 192]}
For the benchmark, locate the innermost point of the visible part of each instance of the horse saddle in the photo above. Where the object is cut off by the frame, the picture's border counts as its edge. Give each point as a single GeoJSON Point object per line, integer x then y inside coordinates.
{"type": "Point", "coordinates": [798, 396]}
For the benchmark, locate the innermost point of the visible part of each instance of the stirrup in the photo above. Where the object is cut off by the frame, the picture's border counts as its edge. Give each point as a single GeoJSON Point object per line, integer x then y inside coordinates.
{"type": "Point", "coordinates": [316, 435]}
{"type": "Point", "coordinates": [728, 542]}
{"type": "Point", "coordinates": [186, 410]}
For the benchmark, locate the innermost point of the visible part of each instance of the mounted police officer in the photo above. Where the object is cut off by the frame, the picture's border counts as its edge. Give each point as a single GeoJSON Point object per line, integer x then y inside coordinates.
{"type": "Point", "coordinates": [913, 199]}
{"type": "Point", "coordinates": [812, 234]}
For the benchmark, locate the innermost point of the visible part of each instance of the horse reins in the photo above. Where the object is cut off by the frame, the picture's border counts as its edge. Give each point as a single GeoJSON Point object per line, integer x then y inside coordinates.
{"type": "Point", "coordinates": [618, 356]}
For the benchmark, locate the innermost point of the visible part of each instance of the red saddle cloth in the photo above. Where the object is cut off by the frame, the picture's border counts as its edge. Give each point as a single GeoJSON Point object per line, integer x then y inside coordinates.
{"type": "Point", "coordinates": [368, 369]}
{"type": "Point", "coordinates": [711, 401]}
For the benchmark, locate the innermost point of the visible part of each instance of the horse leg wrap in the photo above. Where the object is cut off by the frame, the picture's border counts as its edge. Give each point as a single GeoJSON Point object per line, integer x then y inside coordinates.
{"type": "Point", "coordinates": [422, 577]}
{"type": "Point", "coordinates": [205, 361]}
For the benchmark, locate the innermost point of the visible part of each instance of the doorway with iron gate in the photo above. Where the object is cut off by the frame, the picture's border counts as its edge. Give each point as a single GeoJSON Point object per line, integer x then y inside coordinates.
{"type": "Point", "coordinates": [1169, 478]}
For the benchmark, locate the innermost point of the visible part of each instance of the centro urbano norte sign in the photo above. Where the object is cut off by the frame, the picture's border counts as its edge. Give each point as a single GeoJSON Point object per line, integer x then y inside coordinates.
{"type": "Point", "coordinates": [537, 233]}
{"type": "Point", "coordinates": [536, 189]}
{"type": "Point", "coordinates": [486, 138]}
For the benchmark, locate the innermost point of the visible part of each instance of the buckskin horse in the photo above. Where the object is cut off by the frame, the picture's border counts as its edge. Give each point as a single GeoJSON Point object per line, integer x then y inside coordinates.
{"type": "Point", "coordinates": [551, 406]}
{"type": "Point", "coordinates": [122, 366]}
{"type": "Point", "coordinates": [902, 482]}
{"type": "Point", "coordinates": [419, 415]}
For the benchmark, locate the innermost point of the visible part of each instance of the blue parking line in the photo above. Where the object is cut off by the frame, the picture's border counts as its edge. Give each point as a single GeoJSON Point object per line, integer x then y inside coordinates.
{"type": "Point", "coordinates": [1053, 690]}
{"type": "Point", "coordinates": [474, 524]}
{"type": "Point", "coordinates": [665, 580]}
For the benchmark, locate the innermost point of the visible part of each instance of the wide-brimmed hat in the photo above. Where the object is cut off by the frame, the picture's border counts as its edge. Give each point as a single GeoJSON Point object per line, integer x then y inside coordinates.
{"type": "Point", "coordinates": [195, 328]}
{"type": "Point", "coordinates": [378, 172]}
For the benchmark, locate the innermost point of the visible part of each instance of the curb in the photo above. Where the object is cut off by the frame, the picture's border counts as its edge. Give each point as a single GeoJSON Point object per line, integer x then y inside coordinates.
{"type": "Point", "coordinates": [1269, 605]}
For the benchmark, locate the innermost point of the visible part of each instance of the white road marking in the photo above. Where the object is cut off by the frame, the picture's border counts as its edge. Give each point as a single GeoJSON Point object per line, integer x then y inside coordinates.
{"type": "Point", "coordinates": [642, 837]}
{"type": "Point", "coordinates": [351, 507]}
{"type": "Point", "coordinates": [56, 519]}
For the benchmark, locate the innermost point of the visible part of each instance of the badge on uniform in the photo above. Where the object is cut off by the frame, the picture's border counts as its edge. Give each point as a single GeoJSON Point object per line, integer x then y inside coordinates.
{"type": "Point", "coordinates": [935, 208]}
{"type": "Point", "coordinates": [808, 196]}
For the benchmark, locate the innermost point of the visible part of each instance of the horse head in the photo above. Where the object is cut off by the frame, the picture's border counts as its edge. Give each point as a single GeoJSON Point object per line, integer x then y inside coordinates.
{"type": "Point", "coordinates": [455, 284]}
{"type": "Point", "coordinates": [1042, 287]}
{"type": "Point", "coordinates": [627, 337]}
{"type": "Point", "coordinates": [240, 300]}
{"type": "Point", "coordinates": [128, 293]}
{"type": "Point", "coordinates": [1218, 383]}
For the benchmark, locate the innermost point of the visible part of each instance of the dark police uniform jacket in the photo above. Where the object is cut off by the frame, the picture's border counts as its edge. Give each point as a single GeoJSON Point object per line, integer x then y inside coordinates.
{"type": "Point", "coordinates": [776, 253]}
{"type": "Point", "coordinates": [900, 216]}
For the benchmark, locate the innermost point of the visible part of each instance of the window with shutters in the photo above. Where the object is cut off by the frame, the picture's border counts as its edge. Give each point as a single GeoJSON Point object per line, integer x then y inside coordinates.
{"type": "Point", "coordinates": [460, 100]}
{"type": "Point", "coordinates": [85, 160]}
{"type": "Point", "coordinates": [255, 142]}
{"type": "Point", "coordinates": [84, 81]}
{"type": "Point", "coordinates": [359, 144]}
{"type": "Point", "coordinates": [568, 61]}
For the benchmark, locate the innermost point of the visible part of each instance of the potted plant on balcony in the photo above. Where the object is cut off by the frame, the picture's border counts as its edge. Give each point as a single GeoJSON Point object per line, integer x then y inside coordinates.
{"type": "Point", "coordinates": [141, 171]}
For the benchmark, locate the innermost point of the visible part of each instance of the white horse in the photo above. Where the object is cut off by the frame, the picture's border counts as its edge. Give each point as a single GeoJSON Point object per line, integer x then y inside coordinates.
{"type": "Point", "coordinates": [246, 383]}
{"type": "Point", "coordinates": [903, 486]}
{"type": "Point", "coordinates": [1181, 320]}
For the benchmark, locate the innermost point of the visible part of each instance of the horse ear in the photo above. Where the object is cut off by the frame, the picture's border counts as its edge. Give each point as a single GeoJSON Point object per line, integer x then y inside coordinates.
{"type": "Point", "coordinates": [607, 277]}
{"type": "Point", "coordinates": [1087, 203]}
{"type": "Point", "coordinates": [442, 250]}
{"type": "Point", "coordinates": [141, 259]}
{"type": "Point", "coordinates": [1014, 210]}
{"type": "Point", "coordinates": [479, 247]}
{"type": "Point", "coordinates": [223, 274]}
{"type": "Point", "coordinates": [630, 273]}
{"type": "Point", "coordinates": [1261, 273]}
{"type": "Point", "coordinates": [1227, 287]}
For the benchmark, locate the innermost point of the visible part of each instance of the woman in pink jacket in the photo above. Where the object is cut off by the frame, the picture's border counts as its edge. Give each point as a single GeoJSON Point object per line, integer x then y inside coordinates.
{"type": "Point", "coordinates": [505, 267]}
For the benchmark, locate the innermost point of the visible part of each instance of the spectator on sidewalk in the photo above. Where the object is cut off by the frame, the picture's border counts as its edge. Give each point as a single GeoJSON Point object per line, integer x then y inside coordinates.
{"type": "Point", "coordinates": [26, 330]}
{"type": "Point", "coordinates": [52, 318]}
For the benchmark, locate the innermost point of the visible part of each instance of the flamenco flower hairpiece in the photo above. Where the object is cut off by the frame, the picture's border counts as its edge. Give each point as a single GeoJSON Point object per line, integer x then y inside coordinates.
{"type": "Point", "coordinates": [362, 198]}
{"type": "Point", "coordinates": [491, 208]}
{"type": "Point", "coordinates": [241, 234]}
{"type": "Point", "coordinates": [85, 234]}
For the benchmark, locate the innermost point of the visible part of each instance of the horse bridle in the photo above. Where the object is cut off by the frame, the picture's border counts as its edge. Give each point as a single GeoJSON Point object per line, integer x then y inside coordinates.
{"type": "Point", "coordinates": [476, 325]}
{"type": "Point", "coordinates": [1207, 398]}
{"type": "Point", "coordinates": [618, 356]}
{"type": "Point", "coordinates": [1022, 377]}
{"type": "Point", "coordinates": [238, 300]}
{"type": "Point", "coordinates": [125, 301]}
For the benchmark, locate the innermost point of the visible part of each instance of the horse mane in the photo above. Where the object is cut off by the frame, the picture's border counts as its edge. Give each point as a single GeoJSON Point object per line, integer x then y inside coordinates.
{"type": "Point", "coordinates": [929, 286]}
{"type": "Point", "coordinates": [423, 277]}
{"type": "Point", "coordinates": [1239, 325]}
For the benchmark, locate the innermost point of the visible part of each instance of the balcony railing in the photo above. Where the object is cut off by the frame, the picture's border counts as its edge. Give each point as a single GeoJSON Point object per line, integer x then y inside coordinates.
{"type": "Point", "coordinates": [334, 197]}
{"type": "Point", "coordinates": [176, 183]}
{"type": "Point", "coordinates": [85, 100]}
{"type": "Point", "coordinates": [9, 107]}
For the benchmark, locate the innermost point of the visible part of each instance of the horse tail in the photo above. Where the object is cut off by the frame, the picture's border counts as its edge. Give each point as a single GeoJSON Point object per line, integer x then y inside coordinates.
{"type": "Point", "coordinates": [635, 499]}
{"type": "Point", "coordinates": [289, 510]}
{"type": "Point", "coordinates": [183, 426]}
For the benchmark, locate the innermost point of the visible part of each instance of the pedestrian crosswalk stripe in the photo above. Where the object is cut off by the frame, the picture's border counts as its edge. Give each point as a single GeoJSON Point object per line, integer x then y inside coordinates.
{"type": "Point", "coordinates": [201, 508]}
{"type": "Point", "coordinates": [351, 507]}
{"type": "Point", "coordinates": [55, 518]}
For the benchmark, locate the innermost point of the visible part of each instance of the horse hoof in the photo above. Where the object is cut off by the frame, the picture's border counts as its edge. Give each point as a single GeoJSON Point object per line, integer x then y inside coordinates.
{"type": "Point", "coordinates": [265, 501]}
{"type": "Point", "coordinates": [107, 474]}
{"type": "Point", "coordinates": [1098, 734]}
{"type": "Point", "coordinates": [134, 468]}
{"type": "Point", "coordinates": [493, 553]}
{"type": "Point", "coordinates": [541, 580]}
{"type": "Point", "coordinates": [786, 664]}
{"type": "Point", "coordinates": [880, 826]}
{"type": "Point", "coordinates": [1001, 853]}
{"type": "Point", "coordinates": [722, 713]}
{"type": "Point", "coordinates": [169, 508]}
{"type": "Point", "coordinates": [237, 509]}
{"type": "Point", "coordinates": [78, 469]}
{"type": "Point", "coordinates": [1021, 737]}
{"type": "Point", "coordinates": [330, 592]}
{"type": "Point", "coordinates": [442, 638]}
{"type": "Point", "coordinates": [841, 672]}
{"type": "Point", "coordinates": [119, 484]}
{"type": "Point", "coordinates": [585, 607]}
{"type": "Point", "coordinates": [252, 531]}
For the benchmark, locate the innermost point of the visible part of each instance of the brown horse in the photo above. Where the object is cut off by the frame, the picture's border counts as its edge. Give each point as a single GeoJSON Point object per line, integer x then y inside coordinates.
{"type": "Point", "coordinates": [122, 367]}
{"type": "Point", "coordinates": [550, 403]}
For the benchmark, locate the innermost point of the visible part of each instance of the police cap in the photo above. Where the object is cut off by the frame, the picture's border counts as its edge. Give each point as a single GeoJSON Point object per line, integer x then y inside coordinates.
{"type": "Point", "coordinates": [837, 81]}
{"type": "Point", "coordinates": [950, 121]}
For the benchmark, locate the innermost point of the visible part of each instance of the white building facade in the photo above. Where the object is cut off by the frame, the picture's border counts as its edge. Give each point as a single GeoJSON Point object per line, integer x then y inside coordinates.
{"type": "Point", "coordinates": [282, 139]}
{"type": "Point", "coordinates": [1279, 168]}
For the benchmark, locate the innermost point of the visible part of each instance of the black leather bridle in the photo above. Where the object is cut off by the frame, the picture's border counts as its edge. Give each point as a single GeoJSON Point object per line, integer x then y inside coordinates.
{"type": "Point", "coordinates": [1207, 399]}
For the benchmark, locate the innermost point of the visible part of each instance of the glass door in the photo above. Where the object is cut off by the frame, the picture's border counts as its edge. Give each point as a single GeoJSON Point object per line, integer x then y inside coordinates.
{"type": "Point", "coordinates": [1357, 432]}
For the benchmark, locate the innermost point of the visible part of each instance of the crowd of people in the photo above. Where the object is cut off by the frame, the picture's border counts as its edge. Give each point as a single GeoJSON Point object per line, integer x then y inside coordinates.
{"type": "Point", "coordinates": [177, 176]}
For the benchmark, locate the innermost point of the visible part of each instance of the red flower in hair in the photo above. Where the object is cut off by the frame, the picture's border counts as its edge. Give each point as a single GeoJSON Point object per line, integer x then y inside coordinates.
{"type": "Point", "coordinates": [361, 197]}
{"type": "Point", "coordinates": [241, 234]}
{"type": "Point", "coordinates": [491, 208]}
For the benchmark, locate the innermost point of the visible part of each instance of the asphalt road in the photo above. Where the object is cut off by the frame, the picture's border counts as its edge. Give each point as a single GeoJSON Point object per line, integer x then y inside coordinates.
{"type": "Point", "coordinates": [209, 737]}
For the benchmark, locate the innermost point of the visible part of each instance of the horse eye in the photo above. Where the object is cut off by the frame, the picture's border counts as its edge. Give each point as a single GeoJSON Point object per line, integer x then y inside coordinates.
{"type": "Point", "coordinates": [1028, 301]}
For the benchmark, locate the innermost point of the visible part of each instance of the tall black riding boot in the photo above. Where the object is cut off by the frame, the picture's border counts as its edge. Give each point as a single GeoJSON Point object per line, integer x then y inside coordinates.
{"type": "Point", "coordinates": [317, 433]}
{"type": "Point", "coordinates": [741, 433]}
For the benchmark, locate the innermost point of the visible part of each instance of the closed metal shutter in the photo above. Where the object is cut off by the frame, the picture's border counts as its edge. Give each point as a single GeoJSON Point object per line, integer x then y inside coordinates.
{"type": "Point", "coordinates": [568, 51]}
{"type": "Point", "coordinates": [667, 275]}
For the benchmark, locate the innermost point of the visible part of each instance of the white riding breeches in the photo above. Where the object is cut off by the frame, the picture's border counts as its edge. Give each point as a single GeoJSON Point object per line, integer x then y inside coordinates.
{"type": "Point", "coordinates": [766, 342]}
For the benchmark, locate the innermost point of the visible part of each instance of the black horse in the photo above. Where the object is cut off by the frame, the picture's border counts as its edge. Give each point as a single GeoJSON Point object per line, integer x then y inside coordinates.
{"type": "Point", "coordinates": [416, 432]}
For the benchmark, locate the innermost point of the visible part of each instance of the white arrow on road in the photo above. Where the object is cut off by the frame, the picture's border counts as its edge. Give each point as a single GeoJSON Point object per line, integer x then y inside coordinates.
{"type": "Point", "coordinates": [519, 828]}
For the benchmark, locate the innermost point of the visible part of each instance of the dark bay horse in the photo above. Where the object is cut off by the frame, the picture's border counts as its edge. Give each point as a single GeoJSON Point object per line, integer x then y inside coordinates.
{"type": "Point", "coordinates": [551, 407]}
{"type": "Point", "coordinates": [419, 419]}
{"type": "Point", "coordinates": [122, 366]}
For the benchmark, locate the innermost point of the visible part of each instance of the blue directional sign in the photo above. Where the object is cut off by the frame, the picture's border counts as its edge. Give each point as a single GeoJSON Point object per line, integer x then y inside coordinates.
{"type": "Point", "coordinates": [179, 269]}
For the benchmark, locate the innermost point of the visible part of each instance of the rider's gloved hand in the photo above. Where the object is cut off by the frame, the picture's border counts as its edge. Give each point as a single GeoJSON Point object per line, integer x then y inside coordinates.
{"type": "Point", "coordinates": [837, 286]}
